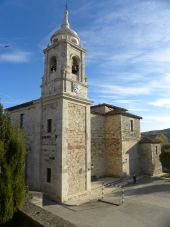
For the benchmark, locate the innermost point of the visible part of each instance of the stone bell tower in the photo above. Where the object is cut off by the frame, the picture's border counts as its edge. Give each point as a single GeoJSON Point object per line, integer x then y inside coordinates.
{"type": "Point", "coordinates": [65, 135]}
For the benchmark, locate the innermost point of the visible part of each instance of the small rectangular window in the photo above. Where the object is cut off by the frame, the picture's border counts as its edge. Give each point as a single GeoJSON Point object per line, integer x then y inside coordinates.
{"type": "Point", "coordinates": [131, 125]}
{"type": "Point", "coordinates": [48, 175]}
{"type": "Point", "coordinates": [49, 125]}
{"type": "Point", "coordinates": [21, 120]}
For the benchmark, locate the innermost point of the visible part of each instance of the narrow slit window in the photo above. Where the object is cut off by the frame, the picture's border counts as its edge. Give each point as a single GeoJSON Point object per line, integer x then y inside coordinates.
{"type": "Point", "coordinates": [49, 125]}
{"type": "Point", "coordinates": [156, 148]}
{"type": "Point", "coordinates": [21, 120]}
{"type": "Point", "coordinates": [48, 175]}
{"type": "Point", "coordinates": [131, 125]}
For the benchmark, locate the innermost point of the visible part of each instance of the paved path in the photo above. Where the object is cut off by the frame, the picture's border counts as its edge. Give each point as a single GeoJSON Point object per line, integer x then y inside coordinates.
{"type": "Point", "coordinates": [147, 204]}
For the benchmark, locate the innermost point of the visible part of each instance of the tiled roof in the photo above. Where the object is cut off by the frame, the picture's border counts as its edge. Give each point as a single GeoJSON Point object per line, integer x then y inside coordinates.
{"type": "Point", "coordinates": [117, 112]}
{"type": "Point", "coordinates": [109, 106]}
{"type": "Point", "coordinates": [23, 105]}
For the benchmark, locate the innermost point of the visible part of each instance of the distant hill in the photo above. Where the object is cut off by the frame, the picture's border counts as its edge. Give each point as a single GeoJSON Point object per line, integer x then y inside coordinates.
{"type": "Point", "coordinates": [154, 133]}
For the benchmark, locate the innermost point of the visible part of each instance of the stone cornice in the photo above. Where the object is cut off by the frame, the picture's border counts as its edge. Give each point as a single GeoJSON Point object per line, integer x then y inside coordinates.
{"type": "Point", "coordinates": [66, 96]}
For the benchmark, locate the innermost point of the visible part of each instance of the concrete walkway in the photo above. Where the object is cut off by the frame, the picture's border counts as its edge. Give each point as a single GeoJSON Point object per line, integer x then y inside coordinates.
{"type": "Point", "coordinates": [147, 204]}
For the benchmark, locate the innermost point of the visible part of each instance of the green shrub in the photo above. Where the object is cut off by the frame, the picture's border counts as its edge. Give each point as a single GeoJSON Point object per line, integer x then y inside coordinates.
{"type": "Point", "coordinates": [12, 157]}
{"type": "Point", "coordinates": [162, 139]}
{"type": "Point", "coordinates": [165, 160]}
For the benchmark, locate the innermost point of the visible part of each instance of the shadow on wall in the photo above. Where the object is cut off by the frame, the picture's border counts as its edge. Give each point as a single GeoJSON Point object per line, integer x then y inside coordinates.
{"type": "Point", "coordinates": [139, 162]}
{"type": "Point", "coordinates": [131, 161]}
{"type": "Point", "coordinates": [152, 169]}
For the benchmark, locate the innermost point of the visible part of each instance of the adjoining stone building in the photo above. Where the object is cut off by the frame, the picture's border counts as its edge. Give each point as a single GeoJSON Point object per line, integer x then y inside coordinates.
{"type": "Point", "coordinates": [66, 136]}
{"type": "Point", "coordinates": [150, 149]}
{"type": "Point", "coordinates": [115, 134]}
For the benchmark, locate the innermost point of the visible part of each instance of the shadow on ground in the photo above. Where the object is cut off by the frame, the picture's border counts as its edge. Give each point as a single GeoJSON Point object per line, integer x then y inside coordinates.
{"type": "Point", "coordinates": [149, 189]}
{"type": "Point", "coordinates": [47, 201]}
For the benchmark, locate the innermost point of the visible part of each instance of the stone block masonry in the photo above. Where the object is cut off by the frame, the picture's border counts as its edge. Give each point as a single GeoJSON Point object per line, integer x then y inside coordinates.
{"type": "Point", "coordinates": [76, 156]}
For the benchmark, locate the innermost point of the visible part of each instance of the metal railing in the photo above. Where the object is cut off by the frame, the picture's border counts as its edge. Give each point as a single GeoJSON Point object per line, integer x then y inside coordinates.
{"type": "Point", "coordinates": [120, 188]}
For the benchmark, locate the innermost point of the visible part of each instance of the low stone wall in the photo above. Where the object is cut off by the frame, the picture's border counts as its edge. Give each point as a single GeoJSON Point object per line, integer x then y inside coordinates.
{"type": "Point", "coordinates": [36, 198]}
{"type": "Point", "coordinates": [42, 217]}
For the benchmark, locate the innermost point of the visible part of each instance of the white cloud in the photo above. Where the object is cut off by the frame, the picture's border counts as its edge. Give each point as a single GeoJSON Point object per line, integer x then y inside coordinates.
{"type": "Point", "coordinates": [17, 56]}
{"type": "Point", "coordinates": [129, 77]}
{"type": "Point", "coordinates": [153, 85]}
{"type": "Point", "coordinates": [129, 44]}
{"type": "Point", "coordinates": [123, 90]}
{"type": "Point", "coordinates": [158, 118]}
{"type": "Point", "coordinates": [136, 109]}
{"type": "Point", "coordinates": [133, 33]}
{"type": "Point", "coordinates": [156, 56]}
{"type": "Point", "coordinates": [161, 85]}
{"type": "Point", "coordinates": [165, 102]}
{"type": "Point", "coordinates": [126, 101]}
{"type": "Point", "coordinates": [116, 100]}
{"type": "Point", "coordinates": [108, 96]}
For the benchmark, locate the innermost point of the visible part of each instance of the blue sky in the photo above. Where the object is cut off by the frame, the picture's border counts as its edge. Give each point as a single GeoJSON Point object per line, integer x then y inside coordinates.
{"type": "Point", "coordinates": [128, 52]}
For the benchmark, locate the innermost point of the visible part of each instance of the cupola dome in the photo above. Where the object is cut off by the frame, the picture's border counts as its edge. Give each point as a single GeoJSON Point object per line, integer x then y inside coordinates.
{"type": "Point", "coordinates": [65, 32]}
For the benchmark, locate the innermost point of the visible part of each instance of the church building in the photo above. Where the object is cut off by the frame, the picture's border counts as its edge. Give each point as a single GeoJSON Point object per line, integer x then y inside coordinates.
{"type": "Point", "coordinates": [69, 142]}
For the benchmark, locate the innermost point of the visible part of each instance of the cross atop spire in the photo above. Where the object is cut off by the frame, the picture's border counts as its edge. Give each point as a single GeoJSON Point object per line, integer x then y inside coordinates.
{"type": "Point", "coordinates": [65, 22]}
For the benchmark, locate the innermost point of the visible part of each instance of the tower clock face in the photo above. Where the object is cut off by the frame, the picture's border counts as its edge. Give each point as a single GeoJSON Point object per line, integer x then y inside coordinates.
{"type": "Point", "coordinates": [76, 88]}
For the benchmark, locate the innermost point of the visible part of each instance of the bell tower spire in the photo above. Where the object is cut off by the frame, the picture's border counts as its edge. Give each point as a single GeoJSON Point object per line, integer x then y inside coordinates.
{"type": "Point", "coordinates": [65, 31]}
{"type": "Point", "coordinates": [65, 22]}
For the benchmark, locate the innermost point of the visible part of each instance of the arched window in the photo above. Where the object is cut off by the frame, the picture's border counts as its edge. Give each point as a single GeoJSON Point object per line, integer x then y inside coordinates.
{"type": "Point", "coordinates": [55, 40]}
{"type": "Point", "coordinates": [74, 40]}
{"type": "Point", "coordinates": [75, 65]}
{"type": "Point", "coordinates": [53, 64]}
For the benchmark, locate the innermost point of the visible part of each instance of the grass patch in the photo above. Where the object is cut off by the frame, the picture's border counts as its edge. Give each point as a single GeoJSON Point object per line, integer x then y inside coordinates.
{"type": "Point", "coordinates": [166, 175]}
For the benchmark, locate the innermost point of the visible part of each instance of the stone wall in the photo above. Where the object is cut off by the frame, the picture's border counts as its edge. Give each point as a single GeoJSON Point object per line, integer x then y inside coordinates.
{"type": "Point", "coordinates": [113, 145]}
{"type": "Point", "coordinates": [40, 217]}
{"type": "Point", "coordinates": [149, 159]}
{"type": "Point", "coordinates": [31, 128]}
{"type": "Point", "coordinates": [76, 150]}
{"type": "Point", "coordinates": [51, 147]}
{"type": "Point", "coordinates": [73, 50]}
{"type": "Point", "coordinates": [98, 149]}
{"type": "Point", "coordinates": [156, 151]}
{"type": "Point", "coordinates": [130, 148]}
